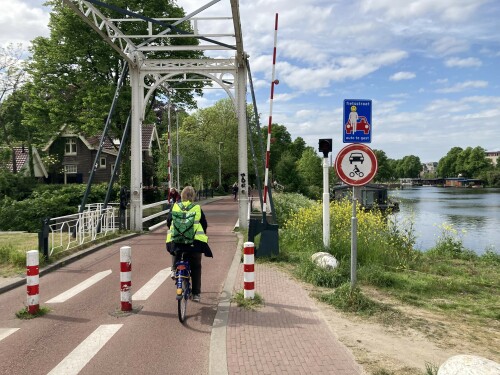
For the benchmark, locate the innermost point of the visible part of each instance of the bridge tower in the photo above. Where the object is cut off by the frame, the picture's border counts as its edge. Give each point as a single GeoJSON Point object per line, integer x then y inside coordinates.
{"type": "Point", "coordinates": [225, 63]}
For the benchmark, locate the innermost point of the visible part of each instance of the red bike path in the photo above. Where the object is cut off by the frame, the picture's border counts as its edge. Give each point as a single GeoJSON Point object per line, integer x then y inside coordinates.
{"type": "Point", "coordinates": [287, 335]}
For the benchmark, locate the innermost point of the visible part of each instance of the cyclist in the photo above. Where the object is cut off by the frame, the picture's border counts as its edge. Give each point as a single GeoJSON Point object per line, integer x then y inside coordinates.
{"type": "Point", "coordinates": [199, 246]}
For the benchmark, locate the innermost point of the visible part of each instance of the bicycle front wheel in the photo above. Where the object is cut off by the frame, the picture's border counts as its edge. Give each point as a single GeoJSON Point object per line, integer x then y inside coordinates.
{"type": "Point", "coordinates": [182, 304]}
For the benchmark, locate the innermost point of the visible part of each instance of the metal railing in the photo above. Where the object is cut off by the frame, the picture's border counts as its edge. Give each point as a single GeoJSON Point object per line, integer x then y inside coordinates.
{"type": "Point", "coordinates": [70, 231]}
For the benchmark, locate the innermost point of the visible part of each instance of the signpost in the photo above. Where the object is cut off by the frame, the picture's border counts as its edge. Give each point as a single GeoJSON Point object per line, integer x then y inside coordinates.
{"type": "Point", "coordinates": [356, 165]}
{"type": "Point", "coordinates": [357, 121]}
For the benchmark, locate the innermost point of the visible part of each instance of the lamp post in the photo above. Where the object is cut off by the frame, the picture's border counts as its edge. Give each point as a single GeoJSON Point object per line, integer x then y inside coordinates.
{"type": "Point", "coordinates": [220, 165]}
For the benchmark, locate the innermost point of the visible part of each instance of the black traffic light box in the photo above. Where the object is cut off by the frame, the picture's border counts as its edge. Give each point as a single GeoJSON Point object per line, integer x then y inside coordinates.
{"type": "Point", "coordinates": [325, 146]}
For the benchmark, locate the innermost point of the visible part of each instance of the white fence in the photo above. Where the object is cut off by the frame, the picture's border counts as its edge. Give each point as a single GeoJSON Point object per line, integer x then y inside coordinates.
{"type": "Point", "coordinates": [70, 231]}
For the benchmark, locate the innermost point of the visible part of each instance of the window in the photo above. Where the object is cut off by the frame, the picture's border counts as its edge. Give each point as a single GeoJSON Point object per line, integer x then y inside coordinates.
{"type": "Point", "coordinates": [70, 147]}
{"type": "Point", "coordinates": [70, 169]}
{"type": "Point", "coordinates": [102, 163]}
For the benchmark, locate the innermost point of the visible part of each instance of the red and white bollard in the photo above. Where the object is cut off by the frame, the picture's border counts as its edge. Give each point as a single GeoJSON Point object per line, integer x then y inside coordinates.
{"type": "Point", "coordinates": [126, 278]}
{"type": "Point", "coordinates": [249, 270]}
{"type": "Point", "coordinates": [32, 280]}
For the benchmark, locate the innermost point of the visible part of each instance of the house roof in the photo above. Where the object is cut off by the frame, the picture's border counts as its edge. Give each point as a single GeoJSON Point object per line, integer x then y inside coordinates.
{"type": "Point", "coordinates": [149, 134]}
{"type": "Point", "coordinates": [22, 158]}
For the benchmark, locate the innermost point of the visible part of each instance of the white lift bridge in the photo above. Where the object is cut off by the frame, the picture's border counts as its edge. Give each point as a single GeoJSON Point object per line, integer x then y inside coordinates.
{"type": "Point", "coordinates": [224, 62]}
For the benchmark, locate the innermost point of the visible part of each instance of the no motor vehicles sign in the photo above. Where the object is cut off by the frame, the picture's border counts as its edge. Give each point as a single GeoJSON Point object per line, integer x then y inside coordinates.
{"type": "Point", "coordinates": [356, 164]}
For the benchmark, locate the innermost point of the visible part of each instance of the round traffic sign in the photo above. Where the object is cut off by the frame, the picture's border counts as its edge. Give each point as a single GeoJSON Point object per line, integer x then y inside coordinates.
{"type": "Point", "coordinates": [356, 164]}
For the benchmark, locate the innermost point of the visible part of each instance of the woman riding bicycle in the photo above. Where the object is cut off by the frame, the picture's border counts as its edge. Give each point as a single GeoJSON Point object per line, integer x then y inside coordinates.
{"type": "Point", "coordinates": [194, 251]}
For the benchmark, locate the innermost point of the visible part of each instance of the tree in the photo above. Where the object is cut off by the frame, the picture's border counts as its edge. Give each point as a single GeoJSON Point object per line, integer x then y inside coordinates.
{"type": "Point", "coordinates": [476, 162]}
{"type": "Point", "coordinates": [409, 167]}
{"type": "Point", "coordinates": [286, 172]}
{"type": "Point", "coordinates": [384, 167]}
{"type": "Point", "coordinates": [281, 140]}
{"type": "Point", "coordinates": [75, 72]}
{"type": "Point", "coordinates": [310, 171]}
{"type": "Point", "coordinates": [447, 165]}
{"type": "Point", "coordinates": [12, 75]}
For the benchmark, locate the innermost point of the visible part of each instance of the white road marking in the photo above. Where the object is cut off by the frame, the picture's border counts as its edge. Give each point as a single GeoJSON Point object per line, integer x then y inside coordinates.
{"type": "Point", "coordinates": [4, 332]}
{"type": "Point", "coordinates": [83, 353]}
{"type": "Point", "coordinates": [145, 292]}
{"type": "Point", "coordinates": [63, 297]}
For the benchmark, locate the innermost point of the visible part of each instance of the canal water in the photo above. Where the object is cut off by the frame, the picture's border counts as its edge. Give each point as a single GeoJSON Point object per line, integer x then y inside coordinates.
{"type": "Point", "coordinates": [474, 213]}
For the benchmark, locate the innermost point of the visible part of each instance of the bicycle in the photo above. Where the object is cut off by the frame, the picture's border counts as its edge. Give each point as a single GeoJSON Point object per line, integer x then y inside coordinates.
{"type": "Point", "coordinates": [183, 283]}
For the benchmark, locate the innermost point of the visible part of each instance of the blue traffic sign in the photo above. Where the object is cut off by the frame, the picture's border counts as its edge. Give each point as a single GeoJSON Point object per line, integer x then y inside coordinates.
{"type": "Point", "coordinates": [357, 121]}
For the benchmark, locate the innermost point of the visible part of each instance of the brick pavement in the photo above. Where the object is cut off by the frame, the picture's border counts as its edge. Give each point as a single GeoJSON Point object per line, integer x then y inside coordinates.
{"type": "Point", "coordinates": [286, 336]}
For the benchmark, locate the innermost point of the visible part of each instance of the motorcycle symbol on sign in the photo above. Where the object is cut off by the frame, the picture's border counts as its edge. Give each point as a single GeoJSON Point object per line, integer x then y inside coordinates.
{"type": "Point", "coordinates": [356, 171]}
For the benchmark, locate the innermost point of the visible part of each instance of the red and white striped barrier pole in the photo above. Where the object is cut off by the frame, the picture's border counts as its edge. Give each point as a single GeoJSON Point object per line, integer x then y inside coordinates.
{"type": "Point", "coordinates": [249, 270]}
{"type": "Point", "coordinates": [126, 278]}
{"type": "Point", "coordinates": [268, 148]}
{"type": "Point", "coordinates": [33, 280]}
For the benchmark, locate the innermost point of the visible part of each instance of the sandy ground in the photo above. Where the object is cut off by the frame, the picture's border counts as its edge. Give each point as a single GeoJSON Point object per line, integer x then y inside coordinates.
{"type": "Point", "coordinates": [406, 345]}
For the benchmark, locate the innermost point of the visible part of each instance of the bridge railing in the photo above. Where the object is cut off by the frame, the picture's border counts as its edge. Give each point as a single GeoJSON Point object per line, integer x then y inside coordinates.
{"type": "Point", "coordinates": [70, 231]}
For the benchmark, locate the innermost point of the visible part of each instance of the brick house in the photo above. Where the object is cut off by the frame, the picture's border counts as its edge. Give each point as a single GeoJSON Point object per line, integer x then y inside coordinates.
{"type": "Point", "coordinates": [75, 154]}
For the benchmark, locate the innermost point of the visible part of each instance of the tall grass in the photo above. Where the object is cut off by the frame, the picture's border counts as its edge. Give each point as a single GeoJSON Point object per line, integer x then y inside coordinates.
{"type": "Point", "coordinates": [448, 278]}
{"type": "Point", "coordinates": [13, 247]}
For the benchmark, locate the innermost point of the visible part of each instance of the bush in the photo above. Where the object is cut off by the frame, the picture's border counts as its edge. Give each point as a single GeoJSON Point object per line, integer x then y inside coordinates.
{"type": "Point", "coordinates": [16, 186]}
{"type": "Point", "coordinates": [286, 204]}
{"type": "Point", "coordinates": [47, 201]}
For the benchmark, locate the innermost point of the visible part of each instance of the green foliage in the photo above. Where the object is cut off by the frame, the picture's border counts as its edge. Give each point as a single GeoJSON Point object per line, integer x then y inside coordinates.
{"type": "Point", "coordinates": [322, 277]}
{"type": "Point", "coordinates": [351, 300]}
{"type": "Point", "coordinates": [286, 172]}
{"type": "Point", "coordinates": [16, 186]}
{"type": "Point", "coordinates": [47, 201]}
{"type": "Point", "coordinates": [469, 162]}
{"type": "Point", "coordinates": [25, 315]}
{"type": "Point", "coordinates": [409, 167]}
{"type": "Point", "coordinates": [384, 167]}
{"type": "Point", "coordinates": [248, 303]}
{"type": "Point", "coordinates": [287, 204]}
{"type": "Point", "coordinates": [449, 244]}
{"type": "Point", "coordinates": [310, 171]}
{"type": "Point", "coordinates": [448, 278]}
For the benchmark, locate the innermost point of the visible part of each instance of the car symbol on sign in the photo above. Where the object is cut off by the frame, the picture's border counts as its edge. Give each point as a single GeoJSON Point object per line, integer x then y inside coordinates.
{"type": "Point", "coordinates": [356, 156]}
{"type": "Point", "coordinates": [362, 125]}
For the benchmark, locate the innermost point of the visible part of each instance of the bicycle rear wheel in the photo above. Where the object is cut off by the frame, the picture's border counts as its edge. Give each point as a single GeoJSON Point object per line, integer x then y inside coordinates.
{"type": "Point", "coordinates": [182, 303]}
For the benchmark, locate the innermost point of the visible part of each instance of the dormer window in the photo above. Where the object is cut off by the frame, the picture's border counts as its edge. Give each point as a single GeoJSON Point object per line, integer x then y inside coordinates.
{"type": "Point", "coordinates": [70, 147]}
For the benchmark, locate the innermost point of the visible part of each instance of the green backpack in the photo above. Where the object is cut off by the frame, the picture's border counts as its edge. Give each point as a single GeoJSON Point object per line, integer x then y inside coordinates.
{"type": "Point", "coordinates": [183, 225]}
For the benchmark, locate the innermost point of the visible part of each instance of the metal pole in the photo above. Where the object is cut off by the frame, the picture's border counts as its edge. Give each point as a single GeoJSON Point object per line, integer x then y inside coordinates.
{"type": "Point", "coordinates": [326, 205]}
{"type": "Point", "coordinates": [177, 141]}
{"type": "Point", "coordinates": [354, 238]}
{"type": "Point", "coordinates": [241, 86]}
{"type": "Point", "coordinates": [136, 149]}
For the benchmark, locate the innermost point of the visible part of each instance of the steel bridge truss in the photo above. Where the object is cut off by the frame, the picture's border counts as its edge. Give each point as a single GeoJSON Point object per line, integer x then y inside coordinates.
{"type": "Point", "coordinates": [227, 69]}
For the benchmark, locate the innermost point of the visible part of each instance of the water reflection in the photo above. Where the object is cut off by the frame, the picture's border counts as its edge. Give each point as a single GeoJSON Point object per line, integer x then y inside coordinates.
{"type": "Point", "coordinates": [475, 214]}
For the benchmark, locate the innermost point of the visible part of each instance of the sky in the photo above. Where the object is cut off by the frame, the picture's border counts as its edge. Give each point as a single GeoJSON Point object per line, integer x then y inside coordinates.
{"type": "Point", "coordinates": [430, 67]}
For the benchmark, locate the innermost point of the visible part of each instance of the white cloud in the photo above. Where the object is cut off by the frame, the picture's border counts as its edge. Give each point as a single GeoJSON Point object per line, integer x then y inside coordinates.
{"type": "Point", "coordinates": [399, 76]}
{"type": "Point", "coordinates": [448, 10]}
{"type": "Point", "coordinates": [463, 63]}
{"type": "Point", "coordinates": [464, 86]}
{"type": "Point", "coordinates": [448, 45]}
{"type": "Point", "coordinates": [21, 21]}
